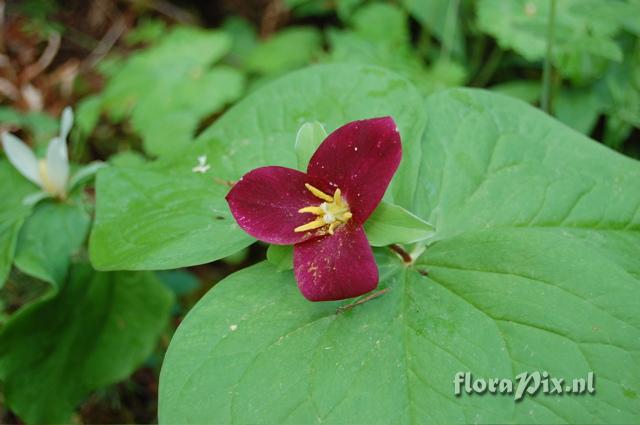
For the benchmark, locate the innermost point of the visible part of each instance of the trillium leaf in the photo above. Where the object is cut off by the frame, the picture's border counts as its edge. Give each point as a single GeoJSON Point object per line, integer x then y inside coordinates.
{"type": "Point", "coordinates": [145, 221]}
{"type": "Point", "coordinates": [382, 23]}
{"type": "Point", "coordinates": [169, 88]}
{"type": "Point", "coordinates": [584, 41]}
{"type": "Point", "coordinates": [165, 216]}
{"type": "Point", "coordinates": [281, 256]}
{"type": "Point", "coordinates": [13, 212]}
{"type": "Point", "coordinates": [48, 239]}
{"type": "Point", "coordinates": [534, 268]}
{"type": "Point", "coordinates": [95, 331]}
{"type": "Point", "coordinates": [309, 137]}
{"type": "Point", "coordinates": [391, 223]}
{"type": "Point", "coordinates": [167, 127]}
{"type": "Point", "coordinates": [286, 50]}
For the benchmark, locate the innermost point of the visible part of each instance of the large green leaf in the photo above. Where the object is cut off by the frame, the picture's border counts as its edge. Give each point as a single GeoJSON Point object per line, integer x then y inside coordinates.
{"type": "Point", "coordinates": [535, 268]}
{"type": "Point", "coordinates": [165, 216]}
{"type": "Point", "coordinates": [54, 232]}
{"type": "Point", "coordinates": [150, 220]}
{"type": "Point", "coordinates": [379, 35]}
{"type": "Point", "coordinates": [584, 33]}
{"type": "Point", "coordinates": [95, 331]}
{"type": "Point", "coordinates": [288, 49]}
{"type": "Point", "coordinates": [169, 88]}
{"type": "Point", "coordinates": [12, 213]}
{"type": "Point", "coordinates": [390, 224]}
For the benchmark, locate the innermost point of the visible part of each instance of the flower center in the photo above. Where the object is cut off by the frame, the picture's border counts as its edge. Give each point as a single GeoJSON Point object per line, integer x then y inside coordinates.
{"type": "Point", "coordinates": [333, 212]}
{"type": "Point", "coordinates": [47, 184]}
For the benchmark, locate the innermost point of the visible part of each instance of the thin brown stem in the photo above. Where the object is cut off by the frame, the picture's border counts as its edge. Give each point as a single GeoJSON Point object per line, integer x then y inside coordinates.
{"type": "Point", "coordinates": [50, 52]}
{"type": "Point", "coordinates": [363, 300]}
{"type": "Point", "coordinates": [406, 257]}
{"type": "Point", "coordinates": [104, 46]}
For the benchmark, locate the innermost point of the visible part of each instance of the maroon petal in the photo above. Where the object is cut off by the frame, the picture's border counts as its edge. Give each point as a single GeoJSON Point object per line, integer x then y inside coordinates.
{"type": "Point", "coordinates": [360, 158]}
{"type": "Point", "coordinates": [335, 267]}
{"type": "Point", "coordinates": [265, 203]}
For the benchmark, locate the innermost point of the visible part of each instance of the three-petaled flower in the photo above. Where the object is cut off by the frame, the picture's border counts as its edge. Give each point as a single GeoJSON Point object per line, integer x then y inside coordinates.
{"type": "Point", "coordinates": [51, 173]}
{"type": "Point", "coordinates": [321, 212]}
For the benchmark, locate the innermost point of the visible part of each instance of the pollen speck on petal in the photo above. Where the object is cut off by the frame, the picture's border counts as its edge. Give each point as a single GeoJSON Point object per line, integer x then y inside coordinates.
{"type": "Point", "coordinates": [335, 267]}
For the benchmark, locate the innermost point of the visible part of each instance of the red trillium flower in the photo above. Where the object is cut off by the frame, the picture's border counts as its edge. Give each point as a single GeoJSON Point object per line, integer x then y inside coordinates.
{"type": "Point", "coordinates": [321, 212]}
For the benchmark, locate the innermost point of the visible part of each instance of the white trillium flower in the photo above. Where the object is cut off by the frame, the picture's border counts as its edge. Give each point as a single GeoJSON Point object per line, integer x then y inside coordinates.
{"type": "Point", "coordinates": [52, 172]}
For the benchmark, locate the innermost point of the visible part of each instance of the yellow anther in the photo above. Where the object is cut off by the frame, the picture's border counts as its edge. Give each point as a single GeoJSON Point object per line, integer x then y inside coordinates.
{"type": "Point", "coordinates": [318, 193]}
{"type": "Point", "coordinates": [47, 184]}
{"type": "Point", "coordinates": [312, 210]}
{"type": "Point", "coordinates": [315, 224]}
{"type": "Point", "coordinates": [332, 227]}
{"type": "Point", "coordinates": [337, 197]}
{"type": "Point", "coordinates": [331, 214]}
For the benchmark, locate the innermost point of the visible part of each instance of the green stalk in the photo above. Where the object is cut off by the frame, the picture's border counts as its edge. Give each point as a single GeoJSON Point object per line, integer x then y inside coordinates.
{"type": "Point", "coordinates": [449, 29]}
{"type": "Point", "coordinates": [489, 68]}
{"type": "Point", "coordinates": [546, 72]}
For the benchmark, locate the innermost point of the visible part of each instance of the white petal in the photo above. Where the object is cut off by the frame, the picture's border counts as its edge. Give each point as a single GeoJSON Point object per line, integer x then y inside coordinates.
{"type": "Point", "coordinates": [21, 156]}
{"type": "Point", "coordinates": [34, 198]}
{"type": "Point", "coordinates": [85, 172]}
{"type": "Point", "coordinates": [57, 164]}
{"type": "Point", "coordinates": [66, 122]}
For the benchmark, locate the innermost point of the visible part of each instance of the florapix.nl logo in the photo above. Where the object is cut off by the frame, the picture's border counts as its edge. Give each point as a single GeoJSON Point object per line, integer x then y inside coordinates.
{"type": "Point", "coordinates": [526, 383]}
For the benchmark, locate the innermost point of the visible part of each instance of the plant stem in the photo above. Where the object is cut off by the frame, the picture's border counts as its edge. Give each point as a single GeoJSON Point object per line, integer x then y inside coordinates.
{"type": "Point", "coordinates": [490, 66]}
{"type": "Point", "coordinates": [546, 72]}
{"type": "Point", "coordinates": [449, 29]}
{"type": "Point", "coordinates": [406, 257]}
{"type": "Point", "coordinates": [362, 300]}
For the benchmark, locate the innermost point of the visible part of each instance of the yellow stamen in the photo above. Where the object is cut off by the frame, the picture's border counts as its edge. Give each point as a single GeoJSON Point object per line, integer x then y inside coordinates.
{"type": "Point", "coordinates": [313, 210]}
{"type": "Point", "coordinates": [47, 184]}
{"type": "Point", "coordinates": [332, 227]}
{"type": "Point", "coordinates": [331, 214]}
{"type": "Point", "coordinates": [318, 193]}
{"type": "Point", "coordinates": [315, 224]}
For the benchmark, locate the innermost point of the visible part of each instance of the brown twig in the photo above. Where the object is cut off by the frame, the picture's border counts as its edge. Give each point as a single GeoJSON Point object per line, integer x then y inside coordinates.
{"type": "Point", "coordinates": [50, 52]}
{"type": "Point", "coordinates": [406, 257]}
{"type": "Point", "coordinates": [104, 45]}
{"type": "Point", "coordinates": [2, 23]}
{"type": "Point", "coordinates": [362, 300]}
{"type": "Point", "coordinates": [171, 11]}
{"type": "Point", "coordinates": [273, 14]}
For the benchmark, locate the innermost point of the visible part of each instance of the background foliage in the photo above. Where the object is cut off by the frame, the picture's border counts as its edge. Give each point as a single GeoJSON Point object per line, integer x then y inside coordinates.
{"type": "Point", "coordinates": [534, 263]}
